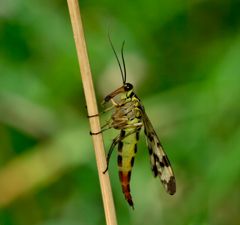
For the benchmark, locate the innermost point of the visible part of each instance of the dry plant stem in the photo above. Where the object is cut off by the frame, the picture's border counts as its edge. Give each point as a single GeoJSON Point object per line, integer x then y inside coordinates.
{"type": "Point", "coordinates": [92, 110]}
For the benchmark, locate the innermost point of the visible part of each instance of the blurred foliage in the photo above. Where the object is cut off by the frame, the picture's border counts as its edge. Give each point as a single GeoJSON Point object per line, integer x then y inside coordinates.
{"type": "Point", "coordinates": [183, 58]}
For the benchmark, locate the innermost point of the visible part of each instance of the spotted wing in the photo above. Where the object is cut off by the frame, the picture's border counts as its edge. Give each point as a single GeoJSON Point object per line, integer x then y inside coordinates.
{"type": "Point", "coordinates": [159, 160]}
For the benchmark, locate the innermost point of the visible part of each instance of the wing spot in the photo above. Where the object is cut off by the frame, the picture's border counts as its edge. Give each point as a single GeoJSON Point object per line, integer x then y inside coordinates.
{"type": "Point", "coordinates": [155, 170]}
{"type": "Point", "coordinates": [150, 150]}
{"type": "Point", "coordinates": [165, 160]}
{"type": "Point", "coordinates": [156, 159]}
{"type": "Point", "coordinates": [159, 145]}
{"type": "Point", "coordinates": [150, 137]}
{"type": "Point", "coordinates": [171, 185]}
{"type": "Point", "coordinates": [161, 164]}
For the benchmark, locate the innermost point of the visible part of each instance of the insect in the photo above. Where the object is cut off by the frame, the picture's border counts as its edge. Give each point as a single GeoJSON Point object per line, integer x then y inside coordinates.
{"type": "Point", "coordinates": [129, 117]}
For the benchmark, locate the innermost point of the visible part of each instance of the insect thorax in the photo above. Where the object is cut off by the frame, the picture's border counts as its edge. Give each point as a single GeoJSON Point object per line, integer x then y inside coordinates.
{"type": "Point", "coordinates": [127, 113]}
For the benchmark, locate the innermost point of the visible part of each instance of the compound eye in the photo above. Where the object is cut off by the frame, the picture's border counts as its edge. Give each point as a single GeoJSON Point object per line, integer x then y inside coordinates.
{"type": "Point", "coordinates": [128, 87]}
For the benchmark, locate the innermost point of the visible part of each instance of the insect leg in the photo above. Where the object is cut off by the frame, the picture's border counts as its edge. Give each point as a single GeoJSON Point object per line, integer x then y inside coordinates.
{"type": "Point", "coordinates": [102, 112]}
{"type": "Point", "coordinates": [114, 105]}
{"type": "Point", "coordinates": [101, 131]}
{"type": "Point", "coordinates": [116, 140]}
{"type": "Point", "coordinates": [124, 126]}
{"type": "Point", "coordinates": [107, 125]}
{"type": "Point", "coordinates": [114, 143]}
{"type": "Point", "coordinates": [95, 115]}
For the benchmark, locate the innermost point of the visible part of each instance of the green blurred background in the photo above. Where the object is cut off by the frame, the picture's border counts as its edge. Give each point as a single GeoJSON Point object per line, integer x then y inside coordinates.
{"type": "Point", "coordinates": [184, 59]}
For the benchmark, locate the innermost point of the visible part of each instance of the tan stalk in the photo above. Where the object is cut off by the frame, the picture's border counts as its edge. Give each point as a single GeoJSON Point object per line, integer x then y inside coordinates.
{"type": "Point", "coordinates": [89, 92]}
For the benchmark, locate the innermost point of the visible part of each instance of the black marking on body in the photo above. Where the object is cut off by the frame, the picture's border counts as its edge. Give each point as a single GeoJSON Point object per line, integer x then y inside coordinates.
{"type": "Point", "coordinates": [145, 132]}
{"type": "Point", "coordinates": [130, 203]}
{"type": "Point", "coordinates": [137, 136]}
{"type": "Point", "coordinates": [120, 146]}
{"type": "Point", "coordinates": [132, 161]}
{"type": "Point", "coordinates": [129, 175]}
{"type": "Point", "coordinates": [120, 173]}
{"type": "Point", "coordinates": [138, 100]}
{"type": "Point", "coordinates": [122, 134]}
{"type": "Point", "coordinates": [135, 148]}
{"type": "Point", "coordinates": [119, 160]}
{"type": "Point", "coordinates": [150, 150]}
{"type": "Point", "coordinates": [132, 94]}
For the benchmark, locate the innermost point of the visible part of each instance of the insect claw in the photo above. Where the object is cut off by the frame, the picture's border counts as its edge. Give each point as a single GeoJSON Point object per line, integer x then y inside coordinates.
{"type": "Point", "coordinates": [92, 133]}
{"type": "Point", "coordinates": [92, 115]}
{"type": "Point", "coordinates": [105, 170]}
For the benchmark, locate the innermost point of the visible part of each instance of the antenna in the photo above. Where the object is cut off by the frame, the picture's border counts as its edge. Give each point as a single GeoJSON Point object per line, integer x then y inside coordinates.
{"type": "Point", "coordinates": [123, 61]}
{"type": "Point", "coordinates": [123, 72]}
